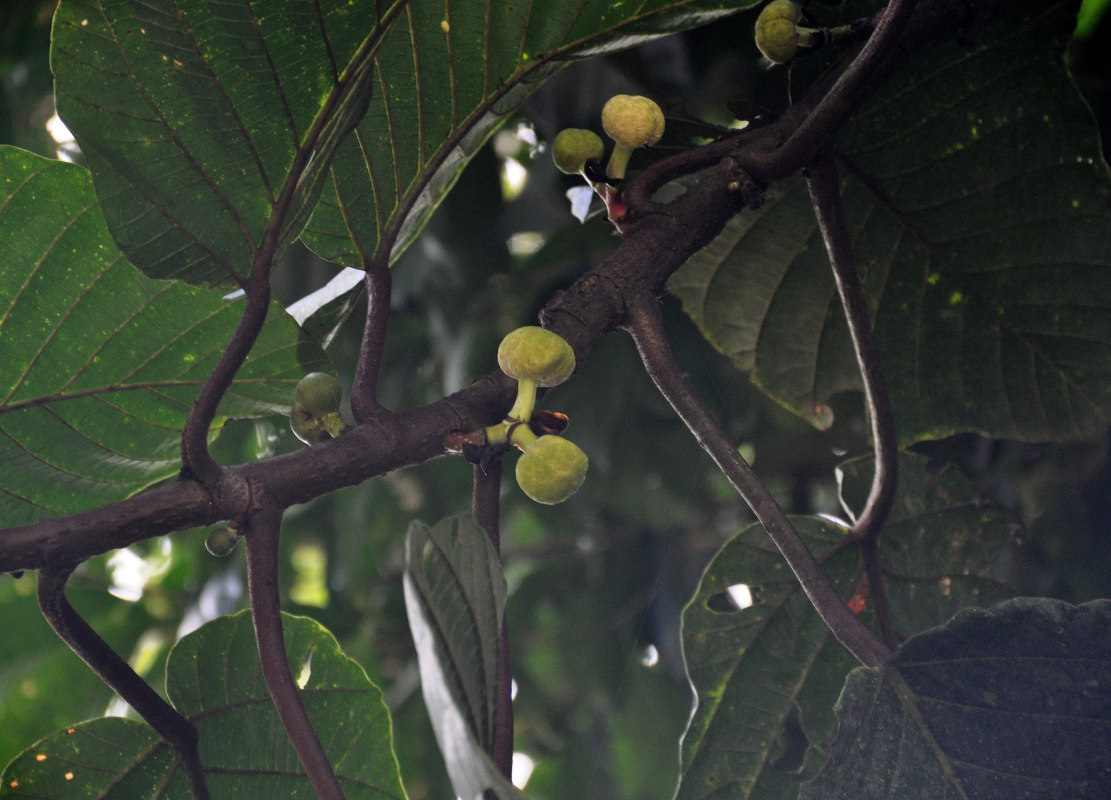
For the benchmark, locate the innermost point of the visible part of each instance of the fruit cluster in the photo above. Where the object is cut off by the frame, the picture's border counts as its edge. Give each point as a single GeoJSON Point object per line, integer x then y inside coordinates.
{"type": "Point", "coordinates": [631, 121]}
{"type": "Point", "coordinates": [551, 468]}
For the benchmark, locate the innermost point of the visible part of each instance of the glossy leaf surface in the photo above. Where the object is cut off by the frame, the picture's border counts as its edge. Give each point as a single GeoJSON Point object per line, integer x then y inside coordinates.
{"type": "Point", "coordinates": [99, 365]}
{"type": "Point", "coordinates": [214, 678]}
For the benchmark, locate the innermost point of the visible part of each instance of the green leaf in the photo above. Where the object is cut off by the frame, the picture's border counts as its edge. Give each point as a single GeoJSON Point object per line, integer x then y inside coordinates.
{"type": "Point", "coordinates": [1007, 702]}
{"type": "Point", "coordinates": [749, 666]}
{"type": "Point", "coordinates": [455, 597]}
{"type": "Point", "coordinates": [767, 676]}
{"type": "Point", "coordinates": [214, 678]}
{"type": "Point", "coordinates": [446, 77]}
{"type": "Point", "coordinates": [977, 199]}
{"type": "Point", "coordinates": [927, 583]}
{"type": "Point", "coordinates": [206, 124]}
{"type": "Point", "coordinates": [92, 409]}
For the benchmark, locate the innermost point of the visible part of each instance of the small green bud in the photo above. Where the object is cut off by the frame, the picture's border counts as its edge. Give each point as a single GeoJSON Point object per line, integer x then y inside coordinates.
{"type": "Point", "coordinates": [573, 147]}
{"type": "Point", "coordinates": [551, 469]}
{"type": "Point", "coordinates": [221, 542]}
{"type": "Point", "coordinates": [532, 353]}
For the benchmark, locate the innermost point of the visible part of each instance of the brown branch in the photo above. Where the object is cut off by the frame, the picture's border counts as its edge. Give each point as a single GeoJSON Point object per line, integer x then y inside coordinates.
{"type": "Point", "coordinates": [364, 389]}
{"type": "Point", "coordinates": [72, 628]}
{"type": "Point", "coordinates": [645, 326]}
{"type": "Point", "coordinates": [263, 532]}
{"type": "Point", "coordinates": [486, 507]}
{"type": "Point", "coordinates": [825, 196]}
{"type": "Point", "coordinates": [196, 462]}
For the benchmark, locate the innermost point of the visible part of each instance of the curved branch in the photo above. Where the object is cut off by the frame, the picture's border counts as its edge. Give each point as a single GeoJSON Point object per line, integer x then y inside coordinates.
{"type": "Point", "coordinates": [263, 532]}
{"type": "Point", "coordinates": [645, 326]}
{"type": "Point", "coordinates": [196, 462]}
{"type": "Point", "coordinates": [825, 196]}
{"type": "Point", "coordinates": [72, 628]}
{"type": "Point", "coordinates": [364, 389]}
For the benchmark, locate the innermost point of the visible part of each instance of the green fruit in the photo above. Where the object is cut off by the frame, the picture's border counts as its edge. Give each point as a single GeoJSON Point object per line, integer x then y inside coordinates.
{"type": "Point", "coordinates": [221, 542]}
{"type": "Point", "coordinates": [551, 469]}
{"type": "Point", "coordinates": [778, 35]}
{"type": "Point", "coordinates": [534, 354]}
{"type": "Point", "coordinates": [318, 393]}
{"type": "Point", "coordinates": [573, 147]}
{"type": "Point", "coordinates": [633, 121]}
{"type": "Point", "coordinates": [305, 426]}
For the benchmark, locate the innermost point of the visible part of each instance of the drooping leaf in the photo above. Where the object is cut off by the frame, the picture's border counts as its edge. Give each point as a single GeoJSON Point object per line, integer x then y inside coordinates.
{"type": "Point", "coordinates": [446, 77]}
{"type": "Point", "coordinates": [767, 676]}
{"type": "Point", "coordinates": [207, 124]}
{"type": "Point", "coordinates": [1006, 702]}
{"type": "Point", "coordinates": [455, 599]}
{"type": "Point", "coordinates": [99, 365]}
{"type": "Point", "coordinates": [214, 678]}
{"type": "Point", "coordinates": [749, 665]}
{"type": "Point", "coordinates": [977, 200]}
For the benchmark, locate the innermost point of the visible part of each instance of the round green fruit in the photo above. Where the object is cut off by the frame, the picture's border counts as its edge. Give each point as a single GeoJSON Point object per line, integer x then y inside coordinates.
{"type": "Point", "coordinates": [551, 469]}
{"type": "Point", "coordinates": [777, 31]}
{"type": "Point", "coordinates": [318, 393]}
{"type": "Point", "coordinates": [573, 147]}
{"type": "Point", "coordinates": [221, 542]}
{"type": "Point", "coordinates": [633, 121]}
{"type": "Point", "coordinates": [534, 354]}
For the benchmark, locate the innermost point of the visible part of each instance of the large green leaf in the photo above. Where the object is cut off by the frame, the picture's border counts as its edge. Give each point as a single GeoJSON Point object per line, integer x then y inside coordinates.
{"type": "Point", "coordinates": [455, 598]}
{"type": "Point", "coordinates": [977, 199]}
{"type": "Point", "coordinates": [446, 77]}
{"type": "Point", "coordinates": [767, 676]}
{"type": "Point", "coordinates": [204, 122]}
{"type": "Point", "coordinates": [99, 365]}
{"type": "Point", "coordinates": [1007, 702]}
{"type": "Point", "coordinates": [214, 678]}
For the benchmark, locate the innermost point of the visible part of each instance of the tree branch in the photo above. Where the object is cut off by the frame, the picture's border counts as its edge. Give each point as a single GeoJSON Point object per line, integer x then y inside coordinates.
{"type": "Point", "coordinates": [364, 389]}
{"type": "Point", "coordinates": [486, 507]}
{"type": "Point", "coordinates": [645, 326]}
{"type": "Point", "coordinates": [825, 196]}
{"type": "Point", "coordinates": [196, 462]}
{"type": "Point", "coordinates": [72, 628]}
{"type": "Point", "coordinates": [263, 532]}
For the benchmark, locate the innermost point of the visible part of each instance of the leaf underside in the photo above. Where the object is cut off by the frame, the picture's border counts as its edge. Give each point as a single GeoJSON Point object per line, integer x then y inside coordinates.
{"type": "Point", "coordinates": [977, 200]}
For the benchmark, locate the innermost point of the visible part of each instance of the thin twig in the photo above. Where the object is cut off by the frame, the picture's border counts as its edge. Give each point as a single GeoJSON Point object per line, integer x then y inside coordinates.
{"type": "Point", "coordinates": [364, 388]}
{"type": "Point", "coordinates": [486, 507]}
{"type": "Point", "coordinates": [645, 325]}
{"type": "Point", "coordinates": [825, 196]}
{"type": "Point", "coordinates": [196, 462]}
{"type": "Point", "coordinates": [263, 532]}
{"type": "Point", "coordinates": [72, 628]}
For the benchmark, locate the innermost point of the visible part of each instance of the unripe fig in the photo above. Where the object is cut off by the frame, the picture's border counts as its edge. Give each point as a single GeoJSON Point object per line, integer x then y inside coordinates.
{"type": "Point", "coordinates": [573, 147]}
{"type": "Point", "coordinates": [535, 357]}
{"type": "Point", "coordinates": [318, 393]}
{"type": "Point", "coordinates": [315, 409]}
{"type": "Point", "coordinates": [551, 469]}
{"type": "Point", "coordinates": [778, 33]}
{"type": "Point", "coordinates": [633, 121]}
{"type": "Point", "coordinates": [536, 354]}
{"type": "Point", "coordinates": [221, 542]}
